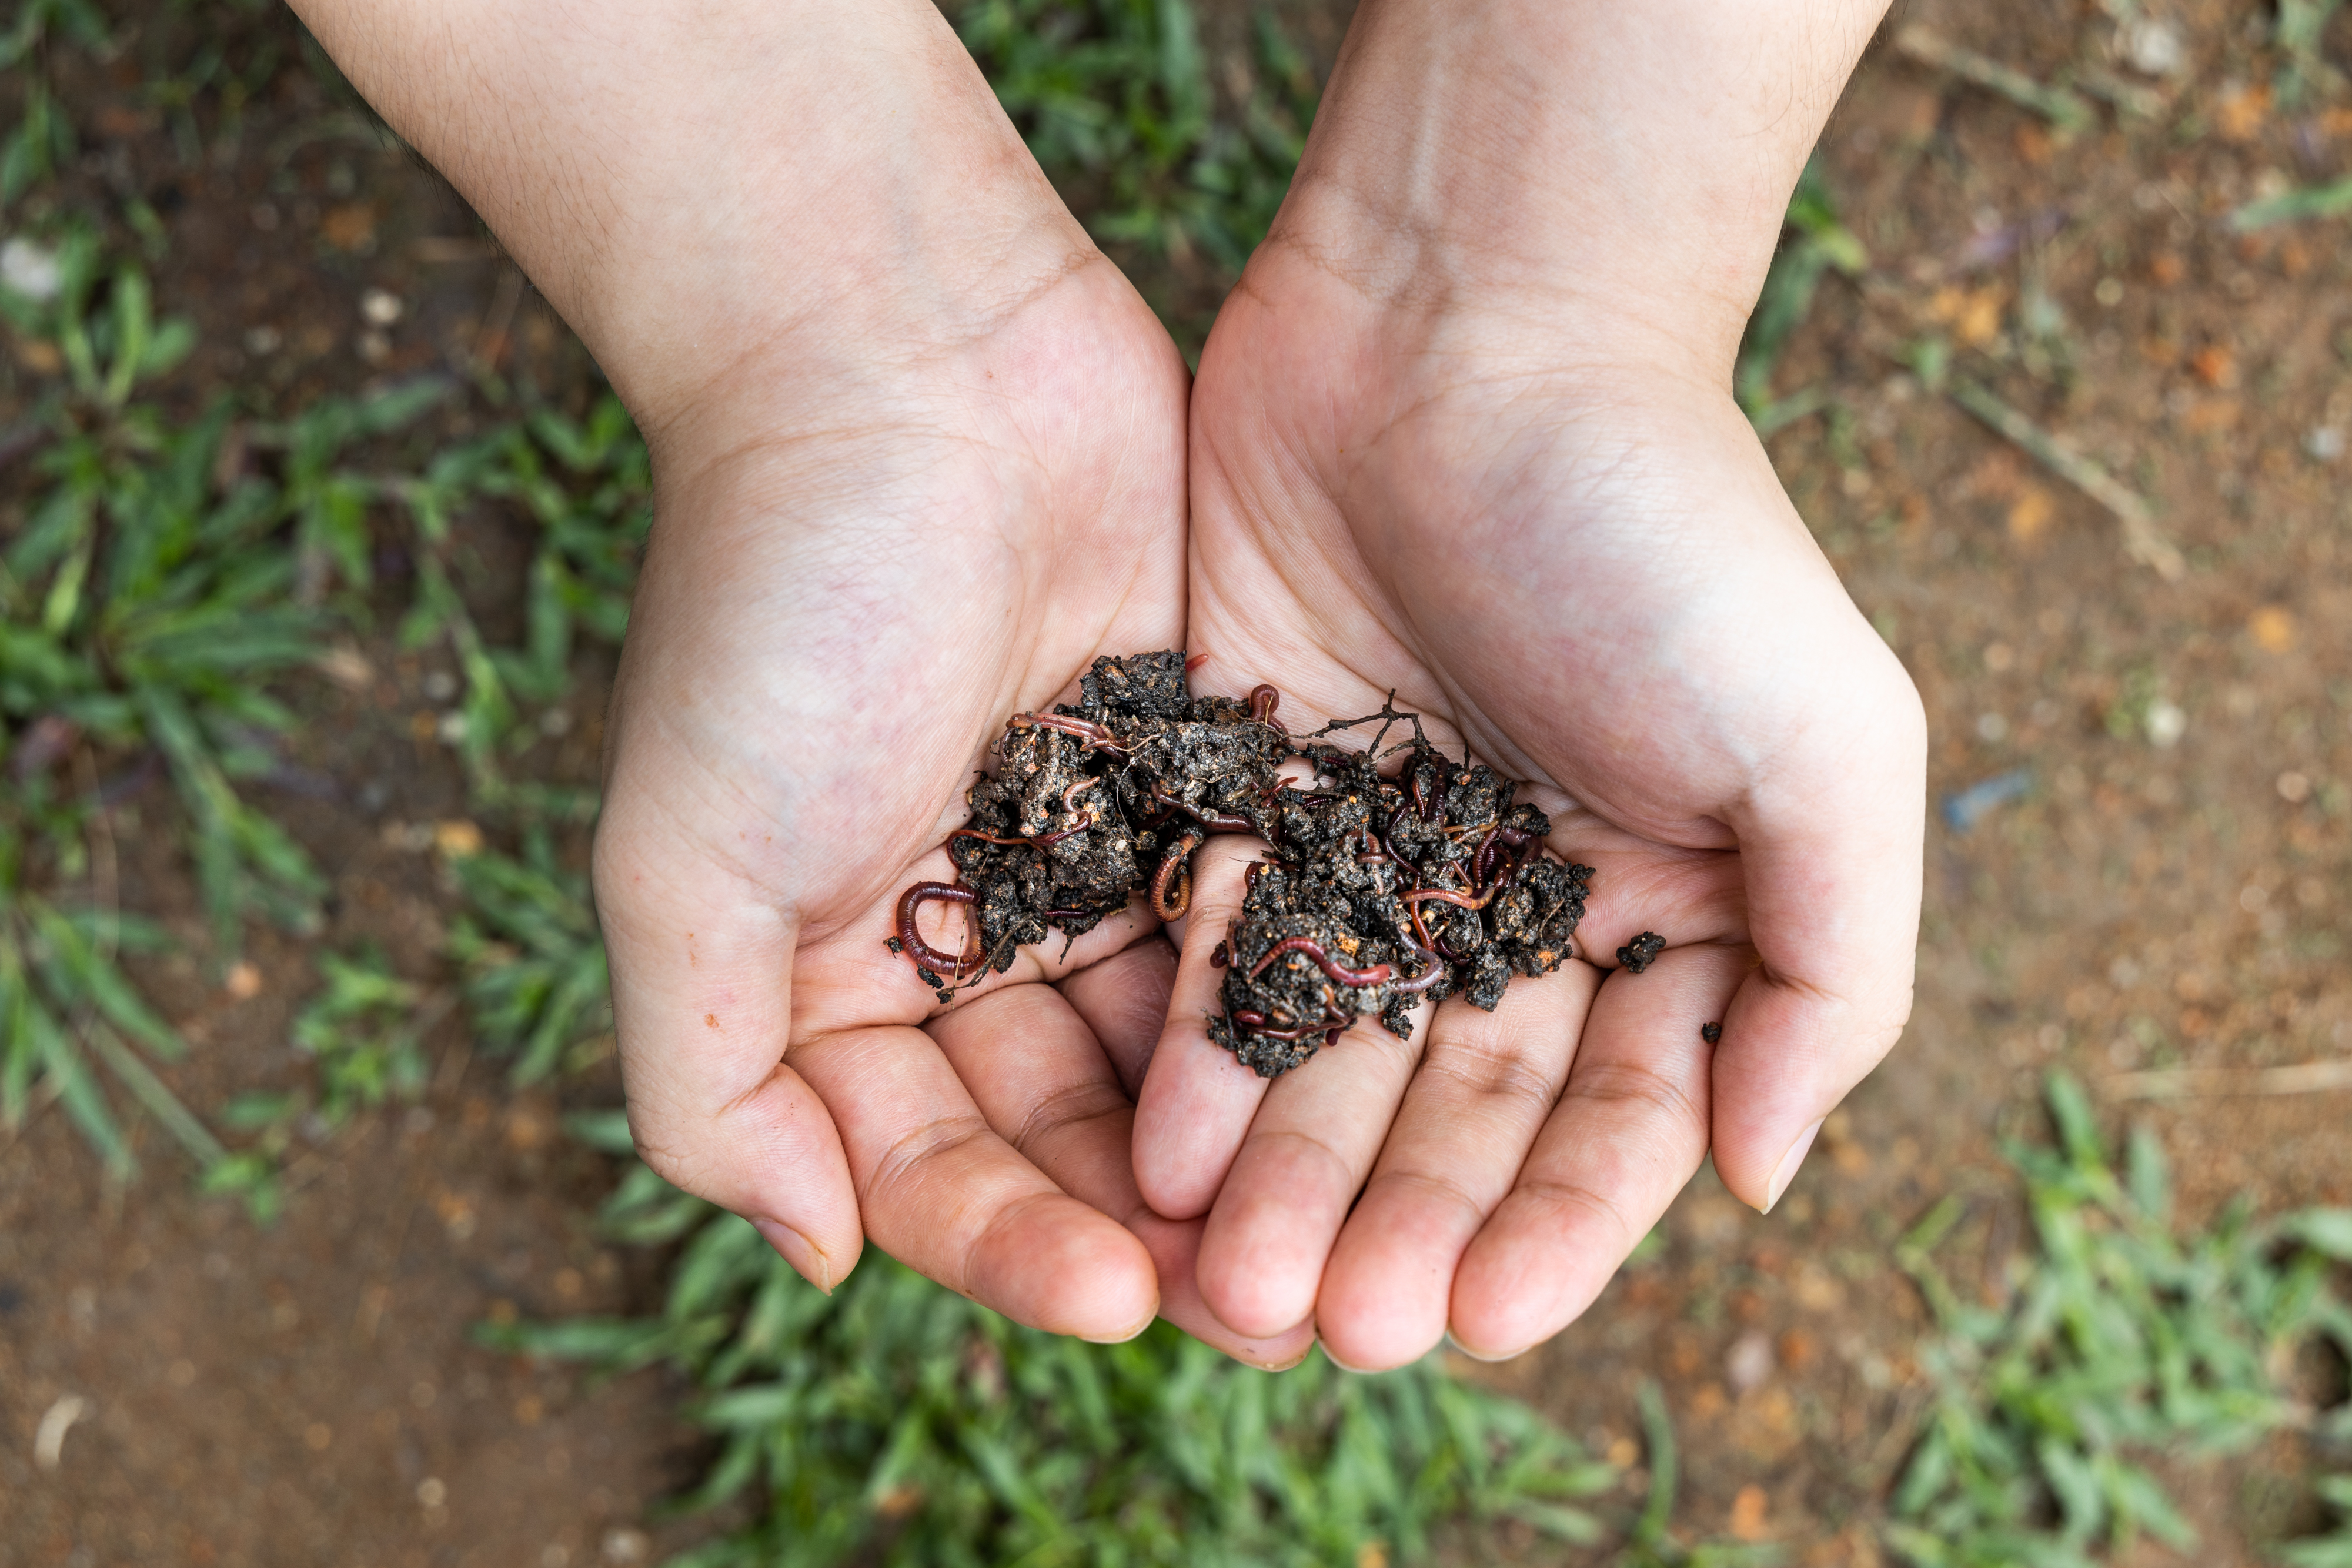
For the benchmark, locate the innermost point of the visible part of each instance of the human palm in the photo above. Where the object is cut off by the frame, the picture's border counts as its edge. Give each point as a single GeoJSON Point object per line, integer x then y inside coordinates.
{"type": "Point", "coordinates": [835, 614]}
{"type": "Point", "coordinates": [1566, 550]}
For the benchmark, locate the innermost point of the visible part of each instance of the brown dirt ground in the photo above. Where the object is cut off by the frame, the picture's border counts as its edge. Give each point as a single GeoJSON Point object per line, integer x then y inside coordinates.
{"type": "Point", "coordinates": [292, 1395]}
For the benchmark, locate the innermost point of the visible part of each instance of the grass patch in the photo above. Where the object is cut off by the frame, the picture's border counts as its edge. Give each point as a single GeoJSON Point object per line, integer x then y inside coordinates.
{"type": "Point", "coordinates": [898, 1417]}
{"type": "Point", "coordinates": [2120, 1343]}
{"type": "Point", "coordinates": [1116, 99]}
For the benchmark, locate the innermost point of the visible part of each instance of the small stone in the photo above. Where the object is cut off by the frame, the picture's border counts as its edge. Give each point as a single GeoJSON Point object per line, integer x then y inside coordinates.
{"type": "Point", "coordinates": [623, 1545]}
{"type": "Point", "coordinates": [1750, 1362]}
{"type": "Point", "coordinates": [30, 269]}
{"type": "Point", "coordinates": [2325, 444]}
{"type": "Point", "coordinates": [2153, 46]}
{"type": "Point", "coordinates": [381, 307]}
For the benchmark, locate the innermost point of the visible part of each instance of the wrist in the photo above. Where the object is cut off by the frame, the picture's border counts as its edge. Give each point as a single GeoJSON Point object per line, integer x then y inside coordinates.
{"type": "Point", "coordinates": [1620, 170]}
{"type": "Point", "coordinates": [721, 197]}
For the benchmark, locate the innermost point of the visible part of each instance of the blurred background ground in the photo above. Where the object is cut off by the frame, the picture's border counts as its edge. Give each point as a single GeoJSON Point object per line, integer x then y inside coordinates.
{"type": "Point", "coordinates": [2152, 895]}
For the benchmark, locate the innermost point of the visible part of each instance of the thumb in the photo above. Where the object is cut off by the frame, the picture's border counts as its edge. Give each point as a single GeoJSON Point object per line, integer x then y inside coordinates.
{"type": "Point", "coordinates": [1831, 853]}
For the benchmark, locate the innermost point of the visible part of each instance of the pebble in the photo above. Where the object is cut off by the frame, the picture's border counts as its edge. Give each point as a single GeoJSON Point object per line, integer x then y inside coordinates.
{"type": "Point", "coordinates": [1750, 1362]}
{"type": "Point", "coordinates": [2153, 46]}
{"type": "Point", "coordinates": [30, 269]}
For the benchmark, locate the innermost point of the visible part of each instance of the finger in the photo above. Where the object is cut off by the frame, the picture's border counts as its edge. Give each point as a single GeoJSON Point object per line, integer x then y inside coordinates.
{"type": "Point", "coordinates": [944, 1193]}
{"type": "Point", "coordinates": [1047, 1087]}
{"type": "Point", "coordinates": [1472, 1112]}
{"type": "Point", "coordinates": [1304, 1158]}
{"type": "Point", "coordinates": [701, 1001]}
{"type": "Point", "coordinates": [1123, 1001]}
{"type": "Point", "coordinates": [1628, 1133]}
{"type": "Point", "coordinates": [1197, 1098]}
{"type": "Point", "coordinates": [1833, 866]}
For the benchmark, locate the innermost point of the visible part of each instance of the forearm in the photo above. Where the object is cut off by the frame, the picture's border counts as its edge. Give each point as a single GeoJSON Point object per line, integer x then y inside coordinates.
{"type": "Point", "coordinates": [1637, 157]}
{"type": "Point", "coordinates": [700, 187]}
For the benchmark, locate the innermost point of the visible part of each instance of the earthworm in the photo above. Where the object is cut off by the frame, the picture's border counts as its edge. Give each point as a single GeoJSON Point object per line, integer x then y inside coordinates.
{"type": "Point", "coordinates": [1378, 975]}
{"type": "Point", "coordinates": [914, 948]}
{"type": "Point", "coordinates": [1422, 981]}
{"type": "Point", "coordinates": [1262, 700]}
{"type": "Point", "coordinates": [1094, 735]}
{"type": "Point", "coordinates": [1447, 895]}
{"type": "Point", "coordinates": [1177, 860]}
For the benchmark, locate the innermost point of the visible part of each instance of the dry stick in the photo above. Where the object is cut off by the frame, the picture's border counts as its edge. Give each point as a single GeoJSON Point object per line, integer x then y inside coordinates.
{"type": "Point", "coordinates": [2184, 1083]}
{"type": "Point", "coordinates": [2062, 108]}
{"type": "Point", "coordinates": [2143, 541]}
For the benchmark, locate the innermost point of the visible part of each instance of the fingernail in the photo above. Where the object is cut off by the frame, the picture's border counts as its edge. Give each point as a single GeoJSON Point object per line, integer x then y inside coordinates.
{"type": "Point", "coordinates": [1130, 1334]}
{"type": "Point", "coordinates": [1786, 1171]}
{"type": "Point", "coordinates": [1486, 1355]}
{"type": "Point", "coordinates": [807, 1259]}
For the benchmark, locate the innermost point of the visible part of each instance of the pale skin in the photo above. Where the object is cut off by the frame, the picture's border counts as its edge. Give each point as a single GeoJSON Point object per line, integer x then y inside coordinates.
{"type": "Point", "coordinates": [920, 454]}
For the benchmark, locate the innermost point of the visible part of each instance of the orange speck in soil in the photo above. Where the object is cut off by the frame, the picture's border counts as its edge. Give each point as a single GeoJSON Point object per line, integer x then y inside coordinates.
{"type": "Point", "coordinates": [2166, 270]}
{"type": "Point", "coordinates": [1748, 1509]}
{"type": "Point", "coordinates": [2272, 627]}
{"type": "Point", "coordinates": [2029, 515]}
{"type": "Point", "coordinates": [2239, 113]}
{"type": "Point", "coordinates": [1978, 321]}
{"type": "Point", "coordinates": [2214, 365]}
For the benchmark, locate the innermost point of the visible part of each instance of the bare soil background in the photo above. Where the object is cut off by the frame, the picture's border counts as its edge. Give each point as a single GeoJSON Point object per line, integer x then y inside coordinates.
{"type": "Point", "coordinates": [306, 1393]}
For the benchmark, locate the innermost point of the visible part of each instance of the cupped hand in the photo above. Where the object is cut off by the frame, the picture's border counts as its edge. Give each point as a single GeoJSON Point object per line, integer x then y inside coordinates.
{"type": "Point", "coordinates": [869, 550]}
{"type": "Point", "coordinates": [1560, 542]}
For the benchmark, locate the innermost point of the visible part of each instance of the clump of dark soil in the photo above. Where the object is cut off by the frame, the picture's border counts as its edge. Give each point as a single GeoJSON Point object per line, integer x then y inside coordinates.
{"type": "Point", "coordinates": [1637, 955]}
{"type": "Point", "coordinates": [1384, 888]}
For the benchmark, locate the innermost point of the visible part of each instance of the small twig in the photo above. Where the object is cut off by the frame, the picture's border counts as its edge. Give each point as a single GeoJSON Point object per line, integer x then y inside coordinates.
{"type": "Point", "coordinates": [2142, 539]}
{"type": "Point", "coordinates": [491, 342]}
{"type": "Point", "coordinates": [2062, 108]}
{"type": "Point", "coordinates": [2133, 99]}
{"type": "Point", "coordinates": [2229, 1083]}
{"type": "Point", "coordinates": [105, 881]}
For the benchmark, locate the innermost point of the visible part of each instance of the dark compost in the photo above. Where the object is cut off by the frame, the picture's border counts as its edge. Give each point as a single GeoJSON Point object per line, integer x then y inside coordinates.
{"type": "Point", "coordinates": [1383, 887]}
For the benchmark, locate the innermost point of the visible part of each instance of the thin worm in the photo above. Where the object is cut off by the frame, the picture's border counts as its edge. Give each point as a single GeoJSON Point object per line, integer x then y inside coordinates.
{"type": "Point", "coordinates": [1378, 975]}
{"type": "Point", "coordinates": [1422, 982]}
{"type": "Point", "coordinates": [1262, 700]}
{"type": "Point", "coordinates": [1094, 735]}
{"type": "Point", "coordinates": [1179, 858]}
{"type": "Point", "coordinates": [1447, 895]}
{"type": "Point", "coordinates": [914, 948]}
